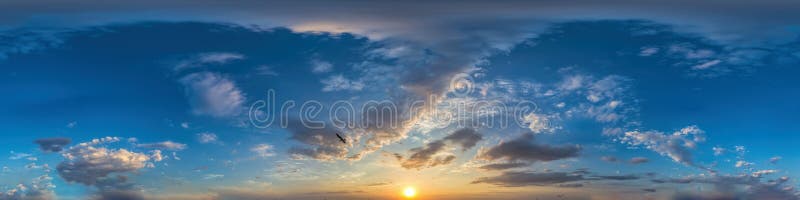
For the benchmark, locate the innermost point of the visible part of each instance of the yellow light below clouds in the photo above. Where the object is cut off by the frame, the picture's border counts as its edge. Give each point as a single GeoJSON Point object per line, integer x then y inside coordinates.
{"type": "Point", "coordinates": [409, 192]}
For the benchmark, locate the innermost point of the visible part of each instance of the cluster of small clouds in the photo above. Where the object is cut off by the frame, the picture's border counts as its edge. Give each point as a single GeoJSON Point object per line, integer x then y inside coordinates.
{"type": "Point", "coordinates": [606, 97]}
{"type": "Point", "coordinates": [737, 187]}
{"type": "Point", "coordinates": [748, 183]}
{"type": "Point", "coordinates": [26, 41]}
{"type": "Point", "coordinates": [340, 83]}
{"type": "Point", "coordinates": [93, 163]}
{"type": "Point", "coordinates": [712, 61]}
{"type": "Point", "coordinates": [336, 82]}
{"type": "Point", "coordinates": [40, 188]}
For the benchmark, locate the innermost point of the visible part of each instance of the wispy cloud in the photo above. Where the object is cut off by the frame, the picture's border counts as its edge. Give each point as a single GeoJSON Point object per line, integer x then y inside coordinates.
{"type": "Point", "coordinates": [211, 58]}
{"type": "Point", "coordinates": [165, 145]}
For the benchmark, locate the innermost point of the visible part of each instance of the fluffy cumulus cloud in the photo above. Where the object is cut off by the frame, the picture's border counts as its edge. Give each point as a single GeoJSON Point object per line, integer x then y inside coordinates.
{"type": "Point", "coordinates": [525, 149]}
{"type": "Point", "coordinates": [436, 153]}
{"type": "Point", "coordinates": [87, 163]}
{"type": "Point", "coordinates": [52, 144]}
{"type": "Point", "coordinates": [95, 164]}
{"type": "Point", "coordinates": [213, 94]}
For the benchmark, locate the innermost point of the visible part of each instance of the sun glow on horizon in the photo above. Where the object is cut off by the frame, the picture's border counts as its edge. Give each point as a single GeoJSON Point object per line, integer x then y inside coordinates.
{"type": "Point", "coordinates": [409, 192]}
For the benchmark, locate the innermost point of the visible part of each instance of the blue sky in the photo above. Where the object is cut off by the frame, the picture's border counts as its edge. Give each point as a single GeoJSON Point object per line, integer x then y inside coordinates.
{"type": "Point", "coordinates": [107, 103]}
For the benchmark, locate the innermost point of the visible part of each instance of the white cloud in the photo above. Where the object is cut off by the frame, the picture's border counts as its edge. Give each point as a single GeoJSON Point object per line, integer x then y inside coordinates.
{"type": "Point", "coordinates": [718, 151]}
{"type": "Point", "coordinates": [213, 176]}
{"type": "Point", "coordinates": [539, 123]}
{"type": "Point", "coordinates": [72, 124]}
{"type": "Point", "coordinates": [572, 82]}
{"type": "Point", "coordinates": [775, 159]}
{"type": "Point", "coordinates": [318, 66]}
{"type": "Point", "coordinates": [265, 70]}
{"type": "Point", "coordinates": [677, 145]}
{"type": "Point", "coordinates": [156, 155]}
{"type": "Point", "coordinates": [740, 149]}
{"type": "Point", "coordinates": [742, 163]}
{"type": "Point", "coordinates": [207, 137]}
{"type": "Point", "coordinates": [86, 162]}
{"type": "Point", "coordinates": [761, 173]}
{"type": "Point", "coordinates": [213, 94]}
{"type": "Point", "coordinates": [217, 58]}
{"type": "Point", "coordinates": [165, 145]}
{"type": "Point", "coordinates": [185, 125]}
{"type": "Point", "coordinates": [689, 51]}
{"type": "Point", "coordinates": [40, 188]}
{"type": "Point", "coordinates": [263, 150]}
{"type": "Point", "coordinates": [17, 156]}
{"type": "Point", "coordinates": [706, 65]}
{"type": "Point", "coordinates": [339, 82]}
{"type": "Point", "coordinates": [648, 51]}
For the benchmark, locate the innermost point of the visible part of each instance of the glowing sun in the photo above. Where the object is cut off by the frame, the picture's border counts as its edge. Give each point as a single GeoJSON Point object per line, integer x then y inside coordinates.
{"type": "Point", "coordinates": [409, 192]}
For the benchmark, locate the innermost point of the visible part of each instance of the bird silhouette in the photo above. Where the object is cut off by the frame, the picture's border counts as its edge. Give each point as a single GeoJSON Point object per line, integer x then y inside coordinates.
{"type": "Point", "coordinates": [341, 139]}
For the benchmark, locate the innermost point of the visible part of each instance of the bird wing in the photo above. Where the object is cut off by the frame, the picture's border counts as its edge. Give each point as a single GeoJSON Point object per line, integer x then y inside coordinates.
{"type": "Point", "coordinates": [340, 138]}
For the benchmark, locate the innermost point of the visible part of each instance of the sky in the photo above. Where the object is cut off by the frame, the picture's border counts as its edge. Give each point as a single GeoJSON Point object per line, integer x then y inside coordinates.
{"type": "Point", "coordinates": [613, 99]}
